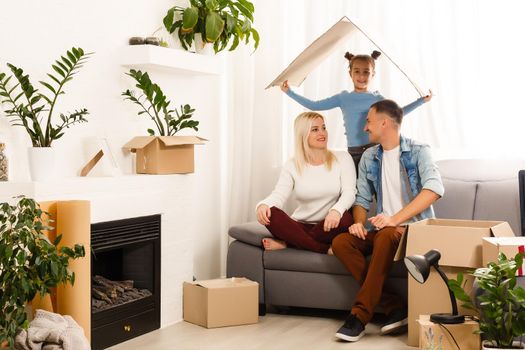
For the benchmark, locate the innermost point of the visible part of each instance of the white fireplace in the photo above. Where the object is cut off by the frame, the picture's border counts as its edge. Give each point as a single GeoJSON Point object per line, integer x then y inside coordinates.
{"type": "Point", "coordinates": [122, 197]}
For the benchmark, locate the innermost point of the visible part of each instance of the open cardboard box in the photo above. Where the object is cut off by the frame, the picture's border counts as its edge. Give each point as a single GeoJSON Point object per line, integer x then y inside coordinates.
{"type": "Point", "coordinates": [510, 246]}
{"type": "Point", "coordinates": [164, 154]}
{"type": "Point", "coordinates": [460, 245]}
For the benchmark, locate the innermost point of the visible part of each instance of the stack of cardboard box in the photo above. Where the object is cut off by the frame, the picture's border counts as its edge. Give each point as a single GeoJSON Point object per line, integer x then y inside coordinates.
{"type": "Point", "coordinates": [460, 245]}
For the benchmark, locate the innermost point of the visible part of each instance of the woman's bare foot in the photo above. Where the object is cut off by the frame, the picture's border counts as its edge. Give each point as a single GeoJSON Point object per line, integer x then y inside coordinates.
{"type": "Point", "coordinates": [273, 244]}
{"type": "Point", "coordinates": [330, 251]}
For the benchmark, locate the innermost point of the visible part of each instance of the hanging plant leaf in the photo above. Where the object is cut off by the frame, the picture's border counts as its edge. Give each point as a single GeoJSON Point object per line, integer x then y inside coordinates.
{"type": "Point", "coordinates": [190, 16]}
{"type": "Point", "coordinates": [214, 26]}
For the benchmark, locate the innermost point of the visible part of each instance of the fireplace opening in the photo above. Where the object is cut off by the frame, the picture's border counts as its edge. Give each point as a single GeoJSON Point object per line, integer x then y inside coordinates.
{"type": "Point", "coordinates": [125, 279]}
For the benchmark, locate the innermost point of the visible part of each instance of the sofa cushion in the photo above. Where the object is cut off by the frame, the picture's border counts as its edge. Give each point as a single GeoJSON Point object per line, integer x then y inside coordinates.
{"type": "Point", "coordinates": [505, 208]}
{"type": "Point", "coordinates": [302, 260]}
{"type": "Point", "coordinates": [250, 232]}
{"type": "Point", "coordinates": [479, 170]}
{"type": "Point", "coordinates": [458, 200]}
{"type": "Point", "coordinates": [305, 261]}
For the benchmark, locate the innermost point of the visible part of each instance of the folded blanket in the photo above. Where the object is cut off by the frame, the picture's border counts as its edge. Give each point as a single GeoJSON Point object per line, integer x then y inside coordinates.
{"type": "Point", "coordinates": [50, 331]}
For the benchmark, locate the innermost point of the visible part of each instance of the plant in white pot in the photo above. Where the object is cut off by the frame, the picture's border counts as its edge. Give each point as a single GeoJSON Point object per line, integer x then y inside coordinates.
{"type": "Point", "coordinates": [218, 22]}
{"type": "Point", "coordinates": [34, 110]}
{"type": "Point", "coordinates": [30, 263]}
{"type": "Point", "coordinates": [499, 301]}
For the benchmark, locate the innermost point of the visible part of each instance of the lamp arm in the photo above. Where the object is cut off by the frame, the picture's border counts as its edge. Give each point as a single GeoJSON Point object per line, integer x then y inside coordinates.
{"type": "Point", "coordinates": [452, 297]}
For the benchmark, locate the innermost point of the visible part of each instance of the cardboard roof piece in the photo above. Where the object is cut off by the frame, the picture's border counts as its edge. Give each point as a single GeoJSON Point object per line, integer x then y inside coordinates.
{"type": "Point", "coordinates": [322, 47]}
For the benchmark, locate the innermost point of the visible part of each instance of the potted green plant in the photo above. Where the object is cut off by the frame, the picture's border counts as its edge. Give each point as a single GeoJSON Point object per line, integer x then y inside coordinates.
{"type": "Point", "coordinates": [499, 301]}
{"type": "Point", "coordinates": [219, 22]}
{"type": "Point", "coordinates": [29, 263]}
{"type": "Point", "coordinates": [155, 104]}
{"type": "Point", "coordinates": [34, 109]}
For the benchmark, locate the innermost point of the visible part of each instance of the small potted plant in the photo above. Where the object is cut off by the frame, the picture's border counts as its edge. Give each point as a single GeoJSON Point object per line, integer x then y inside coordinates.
{"type": "Point", "coordinates": [34, 109]}
{"type": "Point", "coordinates": [162, 152]}
{"type": "Point", "coordinates": [29, 263]}
{"type": "Point", "coordinates": [219, 22]}
{"type": "Point", "coordinates": [155, 104]}
{"type": "Point", "coordinates": [499, 301]}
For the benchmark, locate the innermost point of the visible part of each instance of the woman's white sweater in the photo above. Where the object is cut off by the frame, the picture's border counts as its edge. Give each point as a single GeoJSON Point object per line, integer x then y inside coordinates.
{"type": "Point", "coordinates": [316, 189]}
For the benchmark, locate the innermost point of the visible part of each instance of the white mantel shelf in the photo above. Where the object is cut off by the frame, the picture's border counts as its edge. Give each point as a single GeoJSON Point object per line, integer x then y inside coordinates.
{"type": "Point", "coordinates": [176, 60]}
{"type": "Point", "coordinates": [128, 194]}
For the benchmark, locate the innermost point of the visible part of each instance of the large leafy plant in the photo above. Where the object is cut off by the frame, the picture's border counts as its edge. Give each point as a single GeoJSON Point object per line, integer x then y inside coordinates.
{"type": "Point", "coordinates": [499, 300]}
{"type": "Point", "coordinates": [220, 22]}
{"type": "Point", "coordinates": [29, 263]}
{"type": "Point", "coordinates": [33, 109]}
{"type": "Point", "coordinates": [155, 104]}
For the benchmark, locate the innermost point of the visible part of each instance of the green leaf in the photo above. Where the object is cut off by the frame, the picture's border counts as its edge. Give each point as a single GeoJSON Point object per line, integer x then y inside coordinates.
{"type": "Point", "coordinates": [248, 5]}
{"type": "Point", "coordinates": [58, 70]}
{"type": "Point", "coordinates": [230, 23]}
{"type": "Point", "coordinates": [190, 16]}
{"type": "Point", "coordinates": [214, 26]}
{"type": "Point", "coordinates": [256, 38]}
{"type": "Point", "coordinates": [246, 26]}
{"type": "Point", "coordinates": [62, 66]}
{"type": "Point", "coordinates": [56, 80]}
{"type": "Point", "coordinates": [168, 19]}
{"type": "Point", "coordinates": [67, 62]}
{"type": "Point", "coordinates": [235, 43]}
{"type": "Point", "coordinates": [151, 132]}
{"type": "Point", "coordinates": [57, 240]}
{"type": "Point", "coordinates": [244, 10]}
{"type": "Point", "coordinates": [211, 5]}
{"type": "Point", "coordinates": [47, 85]}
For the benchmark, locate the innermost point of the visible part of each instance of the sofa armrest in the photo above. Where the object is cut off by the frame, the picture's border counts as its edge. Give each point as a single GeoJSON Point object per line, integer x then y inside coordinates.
{"type": "Point", "coordinates": [250, 232]}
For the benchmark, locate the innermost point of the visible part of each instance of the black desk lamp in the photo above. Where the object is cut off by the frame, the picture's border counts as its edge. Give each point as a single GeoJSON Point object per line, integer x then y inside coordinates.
{"type": "Point", "coordinates": [419, 268]}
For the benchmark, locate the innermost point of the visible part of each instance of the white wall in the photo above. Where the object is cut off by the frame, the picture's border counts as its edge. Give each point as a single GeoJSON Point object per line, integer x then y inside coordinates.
{"type": "Point", "coordinates": [34, 33]}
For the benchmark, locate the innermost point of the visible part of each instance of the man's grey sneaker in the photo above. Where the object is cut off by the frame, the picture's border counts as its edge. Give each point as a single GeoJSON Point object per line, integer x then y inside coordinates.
{"type": "Point", "coordinates": [396, 322]}
{"type": "Point", "coordinates": [352, 330]}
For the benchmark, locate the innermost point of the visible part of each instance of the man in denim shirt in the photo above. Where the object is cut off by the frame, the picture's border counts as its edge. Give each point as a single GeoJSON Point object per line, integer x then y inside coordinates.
{"type": "Point", "coordinates": [400, 174]}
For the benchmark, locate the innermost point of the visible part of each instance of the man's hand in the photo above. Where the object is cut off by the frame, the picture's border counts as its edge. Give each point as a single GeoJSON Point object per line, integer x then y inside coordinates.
{"type": "Point", "coordinates": [358, 230]}
{"type": "Point", "coordinates": [263, 214]}
{"type": "Point", "coordinates": [381, 220]}
{"type": "Point", "coordinates": [331, 220]}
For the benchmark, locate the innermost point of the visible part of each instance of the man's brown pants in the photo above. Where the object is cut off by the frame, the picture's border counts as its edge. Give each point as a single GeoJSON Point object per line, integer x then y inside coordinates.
{"type": "Point", "coordinates": [352, 252]}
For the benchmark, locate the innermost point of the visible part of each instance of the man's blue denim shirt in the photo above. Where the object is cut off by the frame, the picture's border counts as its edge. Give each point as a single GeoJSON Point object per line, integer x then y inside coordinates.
{"type": "Point", "coordinates": [422, 173]}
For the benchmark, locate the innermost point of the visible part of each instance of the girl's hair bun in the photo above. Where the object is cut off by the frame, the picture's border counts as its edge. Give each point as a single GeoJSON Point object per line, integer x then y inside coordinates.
{"type": "Point", "coordinates": [349, 56]}
{"type": "Point", "coordinates": [375, 54]}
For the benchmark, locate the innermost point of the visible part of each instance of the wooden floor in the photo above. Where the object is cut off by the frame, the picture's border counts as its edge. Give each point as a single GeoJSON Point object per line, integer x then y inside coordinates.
{"type": "Point", "coordinates": [291, 329]}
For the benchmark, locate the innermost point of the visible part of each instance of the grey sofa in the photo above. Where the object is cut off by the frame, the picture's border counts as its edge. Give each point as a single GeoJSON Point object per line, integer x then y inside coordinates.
{"type": "Point", "coordinates": [474, 189]}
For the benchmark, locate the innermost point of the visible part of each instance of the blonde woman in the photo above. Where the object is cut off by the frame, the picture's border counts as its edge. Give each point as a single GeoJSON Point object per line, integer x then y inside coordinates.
{"type": "Point", "coordinates": [324, 184]}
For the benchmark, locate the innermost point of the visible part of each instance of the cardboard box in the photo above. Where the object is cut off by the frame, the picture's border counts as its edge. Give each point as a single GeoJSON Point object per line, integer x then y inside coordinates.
{"type": "Point", "coordinates": [221, 302]}
{"type": "Point", "coordinates": [435, 336]}
{"type": "Point", "coordinates": [460, 245]}
{"type": "Point", "coordinates": [164, 154]}
{"type": "Point", "coordinates": [510, 246]}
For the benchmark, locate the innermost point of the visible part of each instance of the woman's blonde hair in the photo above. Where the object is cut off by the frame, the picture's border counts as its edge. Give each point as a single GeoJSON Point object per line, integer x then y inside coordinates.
{"type": "Point", "coordinates": [303, 153]}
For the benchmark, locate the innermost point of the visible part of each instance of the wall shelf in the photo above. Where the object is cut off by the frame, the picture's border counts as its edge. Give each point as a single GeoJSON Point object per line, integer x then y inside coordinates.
{"type": "Point", "coordinates": [176, 60]}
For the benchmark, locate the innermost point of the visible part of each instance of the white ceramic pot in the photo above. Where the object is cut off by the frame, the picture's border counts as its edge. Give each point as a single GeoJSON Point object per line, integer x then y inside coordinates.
{"type": "Point", "coordinates": [203, 48]}
{"type": "Point", "coordinates": [41, 163]}
{"type": "Point", "coordinates": [515, 344]}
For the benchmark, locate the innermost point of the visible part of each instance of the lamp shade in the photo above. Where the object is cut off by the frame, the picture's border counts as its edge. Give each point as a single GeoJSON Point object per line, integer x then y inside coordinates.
{"type": "Point", "coordinates": [419, 265]}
